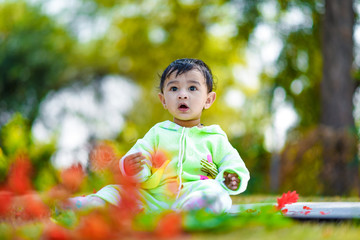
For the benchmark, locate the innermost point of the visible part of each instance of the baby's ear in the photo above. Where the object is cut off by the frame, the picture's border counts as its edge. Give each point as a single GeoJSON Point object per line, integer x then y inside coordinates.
{"type": "Point", "coordinates": [162, 100]}
{"type": "Point", "coordinates": [210, 100]}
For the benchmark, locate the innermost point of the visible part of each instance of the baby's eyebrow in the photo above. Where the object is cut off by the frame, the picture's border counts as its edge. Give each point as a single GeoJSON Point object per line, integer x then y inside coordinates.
{"type": "Point", "coordinates": [189, 81]}
{"type": "Point", "coordinates": [172, 82]}
{"type": "Point", "coordinates": [195, 82]}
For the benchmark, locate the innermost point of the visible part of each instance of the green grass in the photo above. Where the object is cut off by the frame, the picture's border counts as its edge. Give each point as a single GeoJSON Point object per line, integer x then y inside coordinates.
{"type": "Point", "coordinates": [263, 225]}
{"type": "Point", "coordinates": [297, 230]}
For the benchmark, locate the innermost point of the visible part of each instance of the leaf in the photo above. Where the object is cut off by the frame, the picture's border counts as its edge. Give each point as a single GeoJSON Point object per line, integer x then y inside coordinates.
{"type": "Point", "coordinates": [287, 198]}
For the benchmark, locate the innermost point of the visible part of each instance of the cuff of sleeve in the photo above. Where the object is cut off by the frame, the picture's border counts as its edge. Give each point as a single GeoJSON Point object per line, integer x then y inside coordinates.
{"type": "Point", "coordinates": [244, 178]}
{"type": "Point", "coordinates": [141, 176]}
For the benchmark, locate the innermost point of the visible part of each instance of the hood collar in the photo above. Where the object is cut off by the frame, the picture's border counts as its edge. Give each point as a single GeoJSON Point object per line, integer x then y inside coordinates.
{"type": "Point", "coordinates": [169, 125]}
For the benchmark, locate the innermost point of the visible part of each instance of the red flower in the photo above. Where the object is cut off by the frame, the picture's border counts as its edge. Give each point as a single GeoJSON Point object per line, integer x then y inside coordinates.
{"type": "Point", "coordinates": [287, 198]}
{"type": "Point", "coordinates": [129, 198]}
{"type": "Point", "coordinates": [324, 213]}
{"type": "Point", "coordinates": [284, 211]}
{"type": "Point", "coordinates": [169, 226]}
{"type": "Point", "coordinates": [94, 226]}
{"type": "Point", "coordinates": [72, 177]}
{"type": "Point", "coordinates": [6, 198]}
{"type": "Point", "coordinates": [173, 188]}
{"type": "Point", "coordinates": [158, 158]}
{"type": "Point", "coordinates": [101, 156]}
{"type": "Point", "coordinates": [34, 207]}
{"type": "Point", "coordinates": [19, 175]}
{"type": "Point", "coordinates": [307, 208]}
{"type": "Point", "coordinates": [56, 232]}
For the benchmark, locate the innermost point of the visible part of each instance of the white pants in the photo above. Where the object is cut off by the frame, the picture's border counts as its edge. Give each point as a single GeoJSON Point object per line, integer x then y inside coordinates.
{"type": "Point", "coordinates": [203, 194]}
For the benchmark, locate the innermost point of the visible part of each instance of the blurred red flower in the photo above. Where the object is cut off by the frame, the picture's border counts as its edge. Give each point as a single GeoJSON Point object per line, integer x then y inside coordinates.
{"type": "Point", "coordinates": [19, 175]}
{"type": "Point", "coordinates": [130, 196]}
{"type": "Point", "coordinates": [307, 208]}
{"type": "Point", "coordinates": [94, 226]}
{"type": "Point", "coordinates": [173, 188]}
{"type": "Point", "coordinates": [284, 211]}
{"type": "Point", "coordinates": [34, 207]}
{"type": "Point", "coordinates": [101, 156]}
{"type": "Point", "coordinates": [287, 198]}
{"type": "Point", "coordinates": [56, 232]}
{"type": "Point", "coordinates": [158, 158]}
{"type": "Point", "coordinates": [72, 177]}
{"type": "Point", "coordinates": [6, 198]}
{"type": "Point", "coordinates": [169, 226]}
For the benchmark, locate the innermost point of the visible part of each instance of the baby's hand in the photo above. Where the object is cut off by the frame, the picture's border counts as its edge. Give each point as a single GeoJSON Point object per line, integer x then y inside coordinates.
{"type": "Point", "coordinates": [133, 163]}
{"type": "Point", "coordinates": [232, 180]}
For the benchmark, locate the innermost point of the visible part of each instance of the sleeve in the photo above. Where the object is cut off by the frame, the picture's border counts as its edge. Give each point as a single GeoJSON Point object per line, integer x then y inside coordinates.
{"type": "Point", "coordinates": [146, 147]}
{"type": "Point", "coordinates": [228, 159]}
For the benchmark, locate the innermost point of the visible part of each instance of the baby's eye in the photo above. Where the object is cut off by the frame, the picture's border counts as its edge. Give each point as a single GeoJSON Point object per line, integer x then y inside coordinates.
{"type": "Point", "coordinates": [173, 89]}
{"type": "Point", "coordinates": [192, 88]}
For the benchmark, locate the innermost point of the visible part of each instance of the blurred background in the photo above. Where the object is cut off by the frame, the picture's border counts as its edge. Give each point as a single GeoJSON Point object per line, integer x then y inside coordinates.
{"type": "Point", "coordinates": [76, 72]}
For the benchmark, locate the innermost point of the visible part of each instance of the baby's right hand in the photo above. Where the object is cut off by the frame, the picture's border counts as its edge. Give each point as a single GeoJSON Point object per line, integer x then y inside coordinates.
{"type": "Point", "coordinates": [133, 163]}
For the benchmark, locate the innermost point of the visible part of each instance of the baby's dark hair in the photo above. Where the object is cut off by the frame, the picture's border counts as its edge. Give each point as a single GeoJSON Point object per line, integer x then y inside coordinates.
{"type": "Point", "coordinates": [184, 65]}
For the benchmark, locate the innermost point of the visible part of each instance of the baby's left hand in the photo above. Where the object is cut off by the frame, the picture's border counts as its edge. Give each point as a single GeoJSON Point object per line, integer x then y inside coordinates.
{"type": "Point", "coordinates": [232, 180]}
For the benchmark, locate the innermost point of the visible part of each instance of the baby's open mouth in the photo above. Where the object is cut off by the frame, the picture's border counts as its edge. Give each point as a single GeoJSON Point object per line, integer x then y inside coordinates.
{"type": "Point", "coordinates": [183, 107]}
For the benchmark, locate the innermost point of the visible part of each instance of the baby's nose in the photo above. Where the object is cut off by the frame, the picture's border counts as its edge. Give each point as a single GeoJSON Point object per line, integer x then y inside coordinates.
{"type": "Point", "coordinates": [183, 95]}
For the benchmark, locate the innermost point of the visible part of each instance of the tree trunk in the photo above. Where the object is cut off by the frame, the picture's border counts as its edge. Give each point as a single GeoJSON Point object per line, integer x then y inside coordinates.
{"type": "Point", "coordinates": [340, 168]}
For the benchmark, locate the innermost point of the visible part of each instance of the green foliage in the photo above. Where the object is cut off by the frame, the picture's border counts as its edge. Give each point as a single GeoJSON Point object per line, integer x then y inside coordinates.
{"type": "Point", "coordinates": [37, 56]}
{"type": "Point", "coordinates": [16, 138]}
{"type": "Point", "coordinates": [145, 36]}
{"type": "Point", "coordinates": [30, 231]}
{"type": "Point", "coordinates": [202, 221]}
{"type": "Point", "coordinates": [257, 160]}
{"type": "Point", "coordinates": [66, 219]}
{"type": "Point", "coordinates": [302, 163]}
{"type": "Point", "coordinates": [33, 57]}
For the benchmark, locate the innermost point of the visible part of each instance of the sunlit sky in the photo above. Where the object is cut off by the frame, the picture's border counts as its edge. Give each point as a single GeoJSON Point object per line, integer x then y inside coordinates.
{"type": "Point", "coordinates": [75, 115]}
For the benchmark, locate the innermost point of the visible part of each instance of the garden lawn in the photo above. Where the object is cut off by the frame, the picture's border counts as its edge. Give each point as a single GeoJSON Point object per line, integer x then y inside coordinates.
{"type": "Point", "coordinates": [262, 223]}
{"type": "Point", "coordinates": [296, 230]}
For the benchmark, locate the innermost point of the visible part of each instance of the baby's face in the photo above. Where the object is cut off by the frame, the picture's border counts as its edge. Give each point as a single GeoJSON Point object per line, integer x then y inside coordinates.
{"type": "Point", "coordinates": [185, 96]}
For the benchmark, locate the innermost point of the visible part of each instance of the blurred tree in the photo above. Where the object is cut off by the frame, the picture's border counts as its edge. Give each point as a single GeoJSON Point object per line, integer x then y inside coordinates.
{"type": "Point", "coordinates": [33, 59]}
{"type": "Point", "coordinates": [38, 56]}
{"type": "Point", "coordinates": [145, 36]}
{"type": "Point", "coordinates": [315, 69]}
{"type": "Point", "coordinates": [341, 168]}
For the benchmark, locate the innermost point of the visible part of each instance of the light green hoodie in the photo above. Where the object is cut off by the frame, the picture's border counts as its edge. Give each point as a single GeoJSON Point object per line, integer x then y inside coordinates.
{"type": "Point", "coordinates": [164, 175]}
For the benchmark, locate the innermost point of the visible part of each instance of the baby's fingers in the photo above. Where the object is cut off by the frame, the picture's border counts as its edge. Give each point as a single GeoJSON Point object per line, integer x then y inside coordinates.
{"type": "Point", "coordinates": [236, 179]}
{"type": "Point", "coordinates": [135, 158]}
{"type": "Point", "coordinates": [233, 185]}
